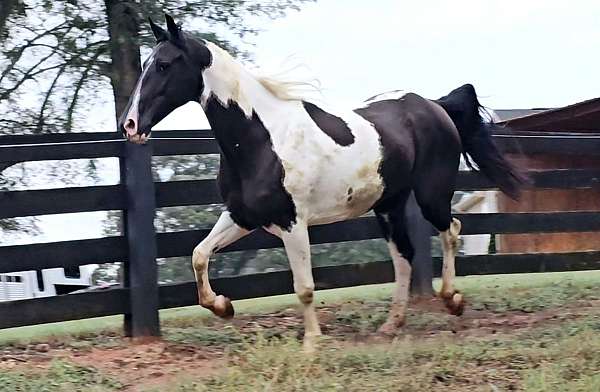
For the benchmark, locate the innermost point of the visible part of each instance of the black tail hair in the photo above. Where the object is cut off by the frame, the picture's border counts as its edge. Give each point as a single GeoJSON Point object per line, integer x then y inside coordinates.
{"type": "Point", "coordinates": [475, 133]}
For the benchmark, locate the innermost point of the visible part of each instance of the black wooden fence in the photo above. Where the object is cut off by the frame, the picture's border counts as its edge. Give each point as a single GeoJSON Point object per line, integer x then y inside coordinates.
{"type": "Point", "coordinates": [140, 297]}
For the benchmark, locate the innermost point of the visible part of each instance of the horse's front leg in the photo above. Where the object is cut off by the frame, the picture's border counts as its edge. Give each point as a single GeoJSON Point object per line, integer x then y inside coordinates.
{"type": "Point", "coordinates": [297, 247]}
{"type": "Point", "coordinates": [225, 232]}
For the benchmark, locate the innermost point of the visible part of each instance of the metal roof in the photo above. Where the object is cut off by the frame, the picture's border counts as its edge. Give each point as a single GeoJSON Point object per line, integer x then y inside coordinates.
{"type": "Point", "coordinates": [581, 116]}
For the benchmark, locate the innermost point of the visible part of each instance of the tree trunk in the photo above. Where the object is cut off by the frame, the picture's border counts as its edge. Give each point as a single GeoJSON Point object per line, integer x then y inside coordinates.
{"type": "Point", "coordinates": [7, 8]}
{"type": "Point", "coordinates": [123, 29]}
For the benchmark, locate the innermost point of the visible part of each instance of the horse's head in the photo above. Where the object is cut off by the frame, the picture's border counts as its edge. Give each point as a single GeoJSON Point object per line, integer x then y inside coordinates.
{"type": "Point", "coordinates": [171, 77]}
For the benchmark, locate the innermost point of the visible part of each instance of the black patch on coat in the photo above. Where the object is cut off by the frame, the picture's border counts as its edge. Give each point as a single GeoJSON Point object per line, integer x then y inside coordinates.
{"type": "Point", "coordinates": [251, 174]}
{"type": "Point", "coordinates": [331, 125]}
{"type": "Point", "coordinates": [420, 152]}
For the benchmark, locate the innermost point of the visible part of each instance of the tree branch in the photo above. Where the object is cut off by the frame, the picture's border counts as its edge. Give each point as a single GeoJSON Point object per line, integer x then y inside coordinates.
{"type": "Point", "coordinates": [79, 85]}
{"type": "Point", "coordinates": [28, 44]}
{"type": "Point", "coordinates": [40, 119]}
{"type": "Point", "coordinates": [29, 75]}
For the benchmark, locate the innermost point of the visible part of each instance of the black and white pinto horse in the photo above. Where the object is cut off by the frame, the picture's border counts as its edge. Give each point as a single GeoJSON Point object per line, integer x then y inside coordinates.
{"type": "Point", "coordinates": [287, 164]}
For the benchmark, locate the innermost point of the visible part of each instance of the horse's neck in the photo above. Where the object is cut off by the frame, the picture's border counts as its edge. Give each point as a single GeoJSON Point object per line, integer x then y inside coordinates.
{"type": "Point", "coordinates": [228, 81]}
{"type": "Point", "coordinates": [242, 114]}
{"type": "Point", "coordinates": [239, 108]}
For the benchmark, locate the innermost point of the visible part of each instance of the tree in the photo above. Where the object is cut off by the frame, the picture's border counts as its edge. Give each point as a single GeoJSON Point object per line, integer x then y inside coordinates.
{"type": "Point", "coordinates": [60, 55]}
{"type": "Point", "coordinates": [58, 58]}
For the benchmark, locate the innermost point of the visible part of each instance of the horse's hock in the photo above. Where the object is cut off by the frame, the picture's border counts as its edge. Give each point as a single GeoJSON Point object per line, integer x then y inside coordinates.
{"type": "Point", "coordinates": [578, 119]}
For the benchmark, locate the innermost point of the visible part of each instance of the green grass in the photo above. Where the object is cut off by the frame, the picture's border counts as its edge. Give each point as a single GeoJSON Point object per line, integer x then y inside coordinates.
{"type": "Point", "coordinates": [561, 355]}
{"type": "Point", "coordinates": [527, 292]}
{"type": "Point", "coordinates": [543, 359]}
{"type": "Point", "coordinates": [60, 377]}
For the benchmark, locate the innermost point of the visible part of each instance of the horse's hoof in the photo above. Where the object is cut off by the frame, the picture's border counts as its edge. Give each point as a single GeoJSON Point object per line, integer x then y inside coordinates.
{"type": "Point", "coordinates": [223, 307]}
{"type": "Point", "coordinates": [454, 302]}
{"type": "Point", "coordinates": [390, 328]}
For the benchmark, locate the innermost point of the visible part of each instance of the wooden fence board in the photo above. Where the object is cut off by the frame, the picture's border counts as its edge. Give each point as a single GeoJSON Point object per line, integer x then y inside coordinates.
{"type": "Point", "coordinates": [529, 222]}
{"type": "Point", "coordinates": [114, 301]}
{"type": "Point", "coordinates": [279, 282]}
{"type": "Point", "coordinates": [174, 244]}
{"type": "Point", "coordinates": [554, 179]}
{"type": "Point", "coordinates": [348, 275]}
{"type": "Point", "coordinates": [182, 243]}
{"type": "Point", "coordinates": [63, 307]}
{"type": "Point", "coordinates": [62, 254]}
{"type": "Point", "coordinates": [202, 192]}
{"type": "Point", "coordinates": [81, 146]}
{"type": "Point", "coordinates": [60, 201]}
{"type": "Point", "coordinates": [186, 193]}
{"type": "Point", "coordinates": [524, 263]}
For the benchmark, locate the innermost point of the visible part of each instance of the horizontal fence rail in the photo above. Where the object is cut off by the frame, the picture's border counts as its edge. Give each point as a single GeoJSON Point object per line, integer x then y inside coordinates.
{"type": "Point", "coordinates": [62, 254]}
{"type": "Point", "coordinates": [114, 301]}
{"type": "Point", "coordinates": [201, 192]}
{"type": "Point", "coordinates": [175, 244]}
{"type": "Point", "coordinates": [62, 200]}
{"type": "Point", "coordinates": [110, 144]}
{"type": "Point", "coordinates": [63, 308]}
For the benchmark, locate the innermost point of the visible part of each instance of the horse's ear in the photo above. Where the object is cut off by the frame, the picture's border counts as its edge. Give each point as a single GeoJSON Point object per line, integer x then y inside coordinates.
{"type": "Point", "coordinates": [173, 28]}
{"type": "Point", "coordinates": [159, 33]}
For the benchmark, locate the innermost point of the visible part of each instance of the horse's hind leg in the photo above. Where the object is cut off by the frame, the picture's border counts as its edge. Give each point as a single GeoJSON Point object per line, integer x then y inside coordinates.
{"type": "Point", "coordinates": [224, 232]}
{"type": "Point", "coordinates": [434, 198]}
{"type": "Point", "coordinates": [449, 239]}
{"type": "Point", "coordinates": [393, 224]}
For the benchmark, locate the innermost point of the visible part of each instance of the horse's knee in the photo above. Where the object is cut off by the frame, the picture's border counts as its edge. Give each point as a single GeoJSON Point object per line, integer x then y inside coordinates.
{"type": "Point", "coordinates": [305, 292]}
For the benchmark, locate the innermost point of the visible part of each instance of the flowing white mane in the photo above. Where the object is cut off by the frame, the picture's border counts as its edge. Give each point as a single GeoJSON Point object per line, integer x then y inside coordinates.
{"type": "Point", "coordinates": [287, 90]}
{"type": "Point", "coordinates": [230, 80]}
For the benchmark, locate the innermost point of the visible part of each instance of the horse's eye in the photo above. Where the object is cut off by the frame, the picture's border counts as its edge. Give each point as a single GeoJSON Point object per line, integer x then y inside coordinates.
{"type": "Point", "coordinates": [162, 66]}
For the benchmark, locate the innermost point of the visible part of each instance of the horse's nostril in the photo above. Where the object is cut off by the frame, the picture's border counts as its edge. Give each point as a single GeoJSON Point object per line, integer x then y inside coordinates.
{"type": "Point", "coordinates": [130, 124]}
{"type": "Point", "coordinates": [130, 127]}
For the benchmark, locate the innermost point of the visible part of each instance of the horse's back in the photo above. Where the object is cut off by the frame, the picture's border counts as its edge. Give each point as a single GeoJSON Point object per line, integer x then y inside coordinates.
{"type": "Point", "coordinates": [419, 142]}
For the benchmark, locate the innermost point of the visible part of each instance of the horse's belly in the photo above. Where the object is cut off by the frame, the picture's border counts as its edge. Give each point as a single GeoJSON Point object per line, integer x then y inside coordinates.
{"type": "Point", "coordinates": [338, 196]}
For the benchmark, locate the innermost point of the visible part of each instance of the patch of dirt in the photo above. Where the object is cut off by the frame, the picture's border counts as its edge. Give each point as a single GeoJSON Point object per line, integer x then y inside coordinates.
{"type": "Point", "coordinates": [136, 365]}
{"type": "Point", "coordinates": [471, 323]}
{"type": "Point", "coordinates": [148, 364]}
{"type": "Point", "coordinates": [481, 323]}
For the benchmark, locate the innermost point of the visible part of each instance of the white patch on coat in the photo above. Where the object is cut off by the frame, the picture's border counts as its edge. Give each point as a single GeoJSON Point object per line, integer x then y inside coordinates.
{"type": "Point", "coordinates": [326, 181]}
{"type": "Point", "coordinates": [224, 78]}
{"type": "Point", "coordinates": [393, 94]}
{"type": "Point", "coordinates": [133, 111]}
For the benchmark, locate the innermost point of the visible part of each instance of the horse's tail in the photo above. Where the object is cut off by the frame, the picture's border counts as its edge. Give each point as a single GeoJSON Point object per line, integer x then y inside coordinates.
{"type": "Point", "coordinates": [475, 133]}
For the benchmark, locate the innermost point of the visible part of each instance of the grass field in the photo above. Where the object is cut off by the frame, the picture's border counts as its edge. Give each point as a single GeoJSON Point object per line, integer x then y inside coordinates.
{"type": "Point", "coordinates": [537, 332]}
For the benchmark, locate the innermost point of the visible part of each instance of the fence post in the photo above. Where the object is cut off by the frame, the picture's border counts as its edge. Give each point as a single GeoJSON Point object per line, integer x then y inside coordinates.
{"type": "Point", "coordinates": [140, 272]}
{"type": "Point", "coordinates": [419, 231]}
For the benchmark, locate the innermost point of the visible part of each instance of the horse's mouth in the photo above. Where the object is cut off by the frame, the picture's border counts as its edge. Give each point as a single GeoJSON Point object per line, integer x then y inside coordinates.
{"type": "Point", "coordinates": [138, 138]}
